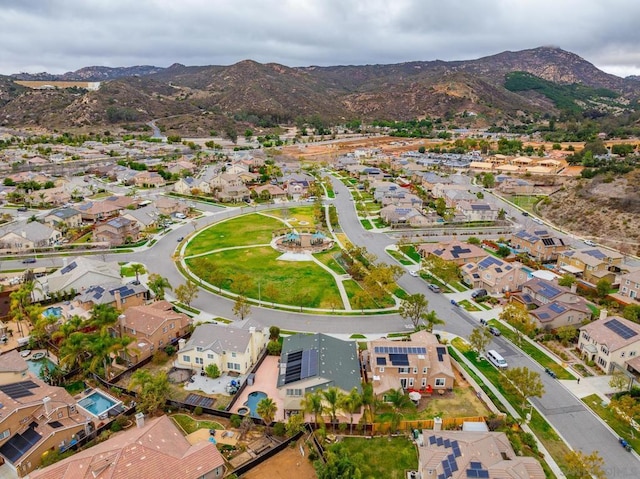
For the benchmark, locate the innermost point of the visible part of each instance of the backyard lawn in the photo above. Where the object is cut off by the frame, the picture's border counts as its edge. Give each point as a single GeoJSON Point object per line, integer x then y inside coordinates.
{"type": "Point", "coordinates": [241, 231]}
{"type": "Point", "coordinates": [381, 457]}
{"type": "Point", "coordinates": [298, 282]}
{"type": "Point", "coordinates": [189, 424]}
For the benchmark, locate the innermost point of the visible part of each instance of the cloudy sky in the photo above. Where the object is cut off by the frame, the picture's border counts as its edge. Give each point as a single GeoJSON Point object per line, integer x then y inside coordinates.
{"type": "Point", "coordinates": [64, 35]}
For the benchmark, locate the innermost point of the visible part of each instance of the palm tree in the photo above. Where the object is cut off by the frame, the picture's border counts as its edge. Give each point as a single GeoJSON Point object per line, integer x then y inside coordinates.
{"type": "Point", "coordinates": [312, 403]}
{"type": "Point", "coordinates": [266, 409]}
{"type": "Point", "coordinates": [368, 401]}
{"type": "Point", "coordinates": [351, 403]}
{"type": "Point", "coordinates": [158, 284]}
{"type": "Point", "coordinates": [333, 398]}
{"type": "Point", "coordinates": [431, 319]}
{"type": "Point", "coordinates": [72, 350]}
{"type": "Point", "coordinates": [137, 268]}
{"type": "Point", "coordinates": [398, 402]}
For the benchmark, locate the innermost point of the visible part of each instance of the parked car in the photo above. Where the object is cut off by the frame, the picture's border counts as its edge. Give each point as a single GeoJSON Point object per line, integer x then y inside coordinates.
{"type": "Point", "coordinates": [180, 239]}
{"type": "Point", "coordinates": [525, 213]}
{"type": "Point", "coordinates": [23, 208]}
{"type": "Point", "coordinates": [589, 243]}
{"type": "Point", "coordinates": [495, 331]}
{"type": "Point", "coordinates": [537, 220]}
{"type": "Point", "coordinates": [434, 287]}
{"type": "Point", "coordinates": [29, 260]}
{"type": "Point", "coordinates": [413, 273]}
{"type": "Point", "coordinates": [479, 293]}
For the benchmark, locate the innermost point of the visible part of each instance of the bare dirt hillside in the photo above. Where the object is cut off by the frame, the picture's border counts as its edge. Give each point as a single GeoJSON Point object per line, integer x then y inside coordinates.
{"type": "Point", "coordinates": [604, 209]}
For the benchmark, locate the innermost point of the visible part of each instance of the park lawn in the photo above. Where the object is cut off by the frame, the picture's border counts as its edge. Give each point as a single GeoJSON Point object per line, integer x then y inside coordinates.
{"type": "Point", "coordinates": [244, 230]}
{"type": "Point", "coordinates": [189, 424]}
{"type": "Point", "coordinates": [525, 202]}
{"type": "Point", "coordinates": [534, 353]}
{"type": "Point", "coordinates": [299, 283]}
{"type": "Point", "coordinates": [296, 215]}
{"type": "Point", "coordinates": [352, 287]}
{"type": "Point", "coordinates": [381, 456]}
{"type": "Point", "coordinates": [327, 258]}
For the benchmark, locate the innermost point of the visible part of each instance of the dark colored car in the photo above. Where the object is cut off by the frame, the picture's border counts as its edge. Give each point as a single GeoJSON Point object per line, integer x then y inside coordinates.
{"type": "Point", "coordinates": [23, 208]}
{"type": "Point", "coordinates": [29, 260]}
{"type": "Point", "coordinates": [479, 293]}
{"type": "Point", "coordinates": [180, 239]}
{"type": "Point", "coordinates": [525, 213]}
{"type": "Point", "coordinates": [495, 331]}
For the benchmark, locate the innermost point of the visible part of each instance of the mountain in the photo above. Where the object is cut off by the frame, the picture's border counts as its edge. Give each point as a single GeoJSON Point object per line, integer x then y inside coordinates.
{"type": "Point", "coordinates": [547, 80]}
{"type": "Point", "coordinates": [94, 73]}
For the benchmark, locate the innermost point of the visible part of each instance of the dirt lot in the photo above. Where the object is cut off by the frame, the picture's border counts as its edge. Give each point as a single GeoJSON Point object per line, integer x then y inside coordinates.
{"type": "Point", "coordinates": [289, 463]}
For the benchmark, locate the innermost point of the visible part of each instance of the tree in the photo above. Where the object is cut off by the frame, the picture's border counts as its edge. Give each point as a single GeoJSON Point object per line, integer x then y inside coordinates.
{"type": "Point", "coordinates": [474, 241]}
{"type": "Point", "coordinates": [447, 271]}
{"type": "Point", "coordinates": [158, 284]}
{"type": "Point", "coordinates": [339, 464]}
{"type": "Point", "coordinates": [138, 269]}
{"type": "Point", "coordinates": [567, 280]}
{"type": "Point", "coordinates": [212, 371]}
{"type": "Point", "coordinates": [267, 409]}
{"type": "Point", "coordinates": [312, 404]}
{"type": "Point", "coordinates": [619, 381]}
{"type": "Point", "coordinates": [488, 180]}
{"type": "Point", "coordinates": [274, 333]}
{"type": "Point", "coordinates": [603, 287]}
{"type": "Point", "coordinates": [185, 293]}
{"type": "Point", "coordinates": [351, 404]}
{"type": "Point", "coordinates": [566, 334]}
{"type": "Point", "coordinates": [431, 319]}
{"type": "Point", "coordinates": [523, 382]}
{"type": "Point", "coordinates": [368, 401]}
{"type": "Point", "coordinates": [414, 308]}
{"type": "Point", "coordinates": [360, 299]}
{"type": "Point", "coordinates": [503, 251]}
{"type": "Point", "coordinates": [479, 339]}
{"type": "Point", "coordinates": [632, 312]}
{"type": "Point", "coordinates": [242, 283]}
{"type": "Point", "coordinates": [517, 316]}
{"type": "Point", "coordinates": [398, 402]}
{"type": "Point", "coordinates": [584, 466]}
{"type": "Point", "coordinates": [241, 308]}
{"type": "Point", "coordinates": [333, 398]}
{"type": "Point", "coordinates": [271, 291]}
{"type": "Point", "coordinates": [294, 424]}
{"type": "Point", "coordinates": [152, 390]}
{"type": "Point", "coordinates": [441, 206]}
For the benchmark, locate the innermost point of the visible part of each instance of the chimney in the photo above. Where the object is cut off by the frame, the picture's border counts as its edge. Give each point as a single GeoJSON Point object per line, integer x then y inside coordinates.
{"type": "Point", "coordinates": [252, 330]}
{"type": "Point", "coordinates": [574, 287]}
{"type": "Point", "coordinates": [139, 420]}
{"type": "Point", "coordinates": [181, 343]}
{"type": "Point", "coordinates": [46, 402]}
{"type": "Point", "coordinates": [437, 423]}
{"type": "Point", "coordinates": [603, 314]}
{"type": "Point", "coordinates": [118, 298]}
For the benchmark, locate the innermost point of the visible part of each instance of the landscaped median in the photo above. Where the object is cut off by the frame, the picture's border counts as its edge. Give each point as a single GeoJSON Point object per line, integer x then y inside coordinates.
{"type": "Point", "coordinates": [545, 433]}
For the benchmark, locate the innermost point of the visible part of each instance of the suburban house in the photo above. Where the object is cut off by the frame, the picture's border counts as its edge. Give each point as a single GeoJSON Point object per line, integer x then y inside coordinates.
{"type": "Point", "coordinates": [35, 418]}
{"type": "Point", "coordinates": [552, 306]}
{"type": "Point", "coordinates": [229, 187]}
{"type": "Point", "coordinates": [611, 341]}
{"type": "Point", "coordinates": [473, 454]}
{"type": "Point", "coordinates": [155, 448]}
{"type": "Point", "coordinates": [145, 217]}
{"type": "Point", "coordinates": [420, 364]}
{"type": "Point", "coordinates": [630, 286]}
{"type": "Point", "coordinates": [311, 362]}
{"type": "Point", "coordinates": [49, 197]}
{"type": "Point", "coordinates": [475, 210]}
{"type": "Point", "coordinates": [20, 237]}
{"type": "Point", "coordinates": [117, 231]}
{"type": "Point", "coordinates": [169, 206]}
{"type": "Point", "coordinates": [456, 251]}
{"type": "Point", "coordinates": [272, 192]}
{"type": "Point", "coordinates": [79, 275]}
{"type": "Point", "coordinates": [232, 349]}
{"type": "Point", "coordinates": [396, 216]}
{"type": "Point", "coordinates": [592, 264]}
{"type": "Point", "coordinates": [494, 275]}
{"type": "Point", "coordinates": [99, 210]}
{"type": "Point", "coordinates": [64, 218]}
{"type": "Point", "coordinates": [149, 179]}
{"type": "Point", "coordinates": [189, 185]}
{"type": "Point", "coordinates": [540, 244]}
{"type": "Point", "coordinates": [153, 327]}
{"type": "Point", "coordinates": [113, 294]}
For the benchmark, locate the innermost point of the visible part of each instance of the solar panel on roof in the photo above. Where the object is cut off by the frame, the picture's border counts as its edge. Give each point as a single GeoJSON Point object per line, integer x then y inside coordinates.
{"type": "Point", "coordinates": [472, 473]}
{"type": "Point", "coordinates": [557, 308]}
{"type": "Point", "coordinates": [475, 465]}
{"type": "Point", "coordinates": [622, 330]}
{"type": "Point", "coordinates": [381, 361]}
{"type": "Point", "coordinates": [595, 253]}
{"type": "Point", "coordinates": [309, 363]}
{"type": "Point", "coordinates": [482, 474]}
{"type": "Point", "coordinates": [439, 441]}
{"type": "Point", "coordinates": [489, 261]}
{"type": "Point", "coordinates": [18, 390]}
{"type": "Point", "coordinates": [399, 359]}
{"type": "Point", "coordinates": [544, 316]}
{"type": "Point", "coordinates": [447, 443]}
{"type": "Point", "coordinates": [68, 268]}
{"type": "Point", "coordinates": [432, 439]}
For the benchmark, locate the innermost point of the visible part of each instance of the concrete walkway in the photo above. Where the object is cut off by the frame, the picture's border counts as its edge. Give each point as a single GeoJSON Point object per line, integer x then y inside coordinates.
{"type": "Point", "coordinates": [338, 279]}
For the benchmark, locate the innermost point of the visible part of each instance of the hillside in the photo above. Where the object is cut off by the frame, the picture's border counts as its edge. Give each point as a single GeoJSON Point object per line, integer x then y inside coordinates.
{"type": "Point", "coordinates": [604, 209]}
{"type": "Point", "coordinates": [268, 94]}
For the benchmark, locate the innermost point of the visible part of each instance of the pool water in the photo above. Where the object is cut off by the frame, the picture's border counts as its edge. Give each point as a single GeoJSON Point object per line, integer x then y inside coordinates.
{"type": "Point", "coordinates": [252, 402]}
{"type": "Point", "coordinates": [52, 312]}
{"type": "Point", "coordinates": [97, 403]}
{"type": "Point", "coordinates": [36, 366]}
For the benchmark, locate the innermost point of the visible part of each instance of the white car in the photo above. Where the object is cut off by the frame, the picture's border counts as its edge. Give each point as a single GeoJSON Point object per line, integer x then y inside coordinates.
{"type": "Point", "coordinates": [413, 273]}
{"type": "Point", "coordinates": [589, 243]}
{"type": "Point", "coordinates": [537, 220]}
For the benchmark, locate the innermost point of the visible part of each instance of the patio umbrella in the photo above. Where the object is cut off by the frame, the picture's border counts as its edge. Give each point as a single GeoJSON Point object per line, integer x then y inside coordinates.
{"type": "Point", "coordinates": [415, 396]}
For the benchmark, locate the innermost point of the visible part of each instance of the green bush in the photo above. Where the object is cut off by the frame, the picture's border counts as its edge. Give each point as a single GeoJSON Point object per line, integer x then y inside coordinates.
{"type": "Point", "coordinates": [170, 350]}
{"type": "Point", "coordinates": [198, 411]}
{"type": "Point", "coordinates": [274, 348]}
{"type": "Point", "coordinates": [279, 429]}
{"type": "Point", "coordinates": [235, 420]}
{"type": "Point", "coordinates": [212, 371]}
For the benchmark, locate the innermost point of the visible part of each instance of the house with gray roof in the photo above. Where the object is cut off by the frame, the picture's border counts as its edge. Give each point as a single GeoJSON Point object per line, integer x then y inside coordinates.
{"type": "Point", "coordinates": [233, 350]}
{"type": "Point", "coordinates": [120, 296]}
{"type": "Point", "coordinates": [145, 217]}
{"type": "Point", "coordinates": [311, 362]}
{"type": "Point", "coordinates": [79, 275]}
{"type": "Point", "coordinates": [117, 231]}
{"type": "Point", "coordinates": [540, 244]}
{"type": "Point", "coordinates": [21, 237]}
{"type": "Point", "coordinates": [64, 217]}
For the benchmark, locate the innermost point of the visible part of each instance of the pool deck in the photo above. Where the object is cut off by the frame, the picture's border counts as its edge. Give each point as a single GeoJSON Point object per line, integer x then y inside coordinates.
{"type": "Point", "coordinates": [266, 380]}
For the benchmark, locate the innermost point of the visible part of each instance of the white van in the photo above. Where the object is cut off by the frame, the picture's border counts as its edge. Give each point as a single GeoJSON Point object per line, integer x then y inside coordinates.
{"type": "Point", "coordinates": [496, 359]}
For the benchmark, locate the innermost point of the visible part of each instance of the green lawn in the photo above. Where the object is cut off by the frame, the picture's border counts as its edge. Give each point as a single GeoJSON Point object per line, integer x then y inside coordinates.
{"type": "Point", "coordinates": [534, 353]}
{"type": "Point", "coordinates": [298, 283]}
{"type": "Point", "coordinates": [241, 231]}
{"type": "Point", "coordinates": [379, 223]}
{"type": "Point", "coordinates": [189, 424]}
{"type": "Point", "coordinates": [126, 271]}
{"type": "Point", "coordinates": [466, 304]}
{"type": "Point", "coordinates": [525, 202]}
{"type": "Point", "coordinates": [352, 287]}
{"type": "Point", "coordinates": [619, 425]}
{"type": "Point", "coordinates": [381, 456]}
{"type": "Point", "coordinates": [327, 258]}
{"type": "Point", "coordinates": [295, 215]}
{"type": "Point", "coordinates": [402, 259]}
{"type": "Point", "coordinates": [411, 252]}
{"type": "Point", "coordinates": [366, 224]}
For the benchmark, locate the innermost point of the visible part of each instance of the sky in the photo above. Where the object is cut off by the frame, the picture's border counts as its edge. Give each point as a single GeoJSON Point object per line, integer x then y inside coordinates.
{"type": "Point", "coordinates": [57, 36]}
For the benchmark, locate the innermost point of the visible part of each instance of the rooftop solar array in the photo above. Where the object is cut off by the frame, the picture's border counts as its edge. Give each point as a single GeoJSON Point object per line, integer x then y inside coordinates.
{"type": "Point", "coordinates": [441, 352]}
{"type": "Point", "coordinates": [381, 361]}
{"type": "Point", "coordinates": [557, 308]}
{"type": "Point", "coordinates": [301, 365]}
{"type": "Point", "coordinates": [70, 267]}
{"type": "Point", "coordinates": [490, 261]}
{"type": "Point", "coordinates": [541, 233]}
{"type": "Point", "coordinates": [19, 444]}
{"type": "Point", "coordinates": [399, 350]}
{"type": "Point", "coordinates": [457, 250]}
{"type": "Point", "coordinates": [595, 253]}
{"type": "Point", "coordinates": [480, 207]}
{"type": "Point", "coordinates": [548, 291]}
{"type": "Point", "coordinates": [544, 316]}
{"type": "Point", "coordinates": [622, 330]}
{"type": "Point", "coordinates": [18, 390]}
{"type": "Point", "coordinates": [399, 359]}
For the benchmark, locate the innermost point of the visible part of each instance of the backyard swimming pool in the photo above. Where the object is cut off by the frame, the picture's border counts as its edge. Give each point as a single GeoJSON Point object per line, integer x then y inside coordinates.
{"type": "Point", "coordinates": [252, 402]}
{"type": "Point", "coordinates": [98, 403]}
{"type": "Point", "coordinates": [36, 366]}
{"type": "Point", "coordinates": [52, 312]}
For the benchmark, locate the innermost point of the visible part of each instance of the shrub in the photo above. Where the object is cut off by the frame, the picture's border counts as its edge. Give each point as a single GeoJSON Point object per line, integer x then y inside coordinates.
{"type": "Point", "coordinates": [160, 357]}
{"type": "Point", "coordinates": [170, 350]}
{"type": "Point", "coordinates": [274, 348]}
{"type": "Point", "coordinates": [212, 371]}
{"type": "Point", "coordinates": [198, 411]}
{"type": "Point", "coordinates": [279, 429]}
{"type": "Point", "coordinates": [235, 420]}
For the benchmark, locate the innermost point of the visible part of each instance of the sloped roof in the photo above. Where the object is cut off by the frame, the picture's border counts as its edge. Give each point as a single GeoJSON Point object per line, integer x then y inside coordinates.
{"type": "Point", "coordinates": [148, 318]}
{"type": "Point", "coordinates": [218, 338]}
